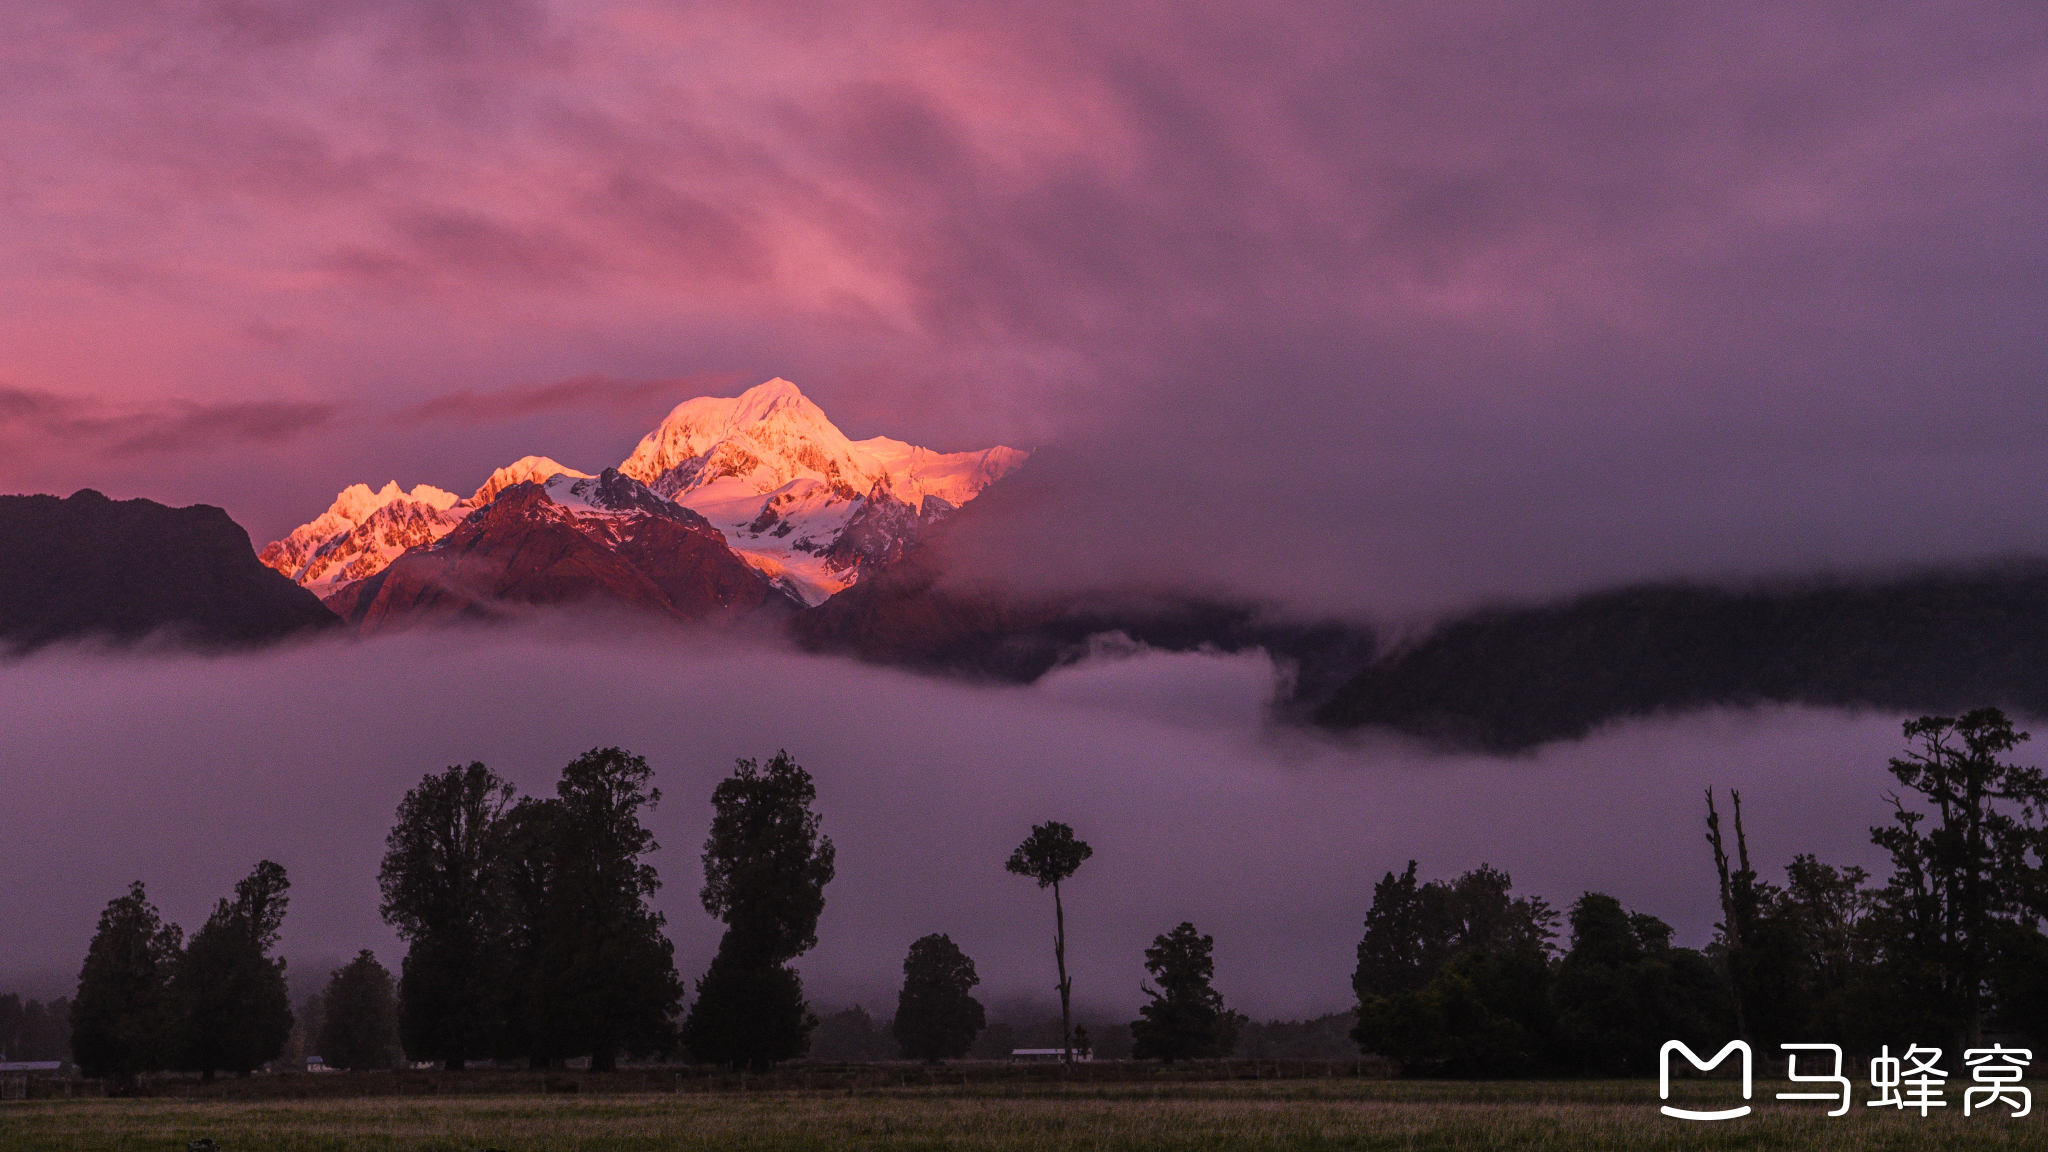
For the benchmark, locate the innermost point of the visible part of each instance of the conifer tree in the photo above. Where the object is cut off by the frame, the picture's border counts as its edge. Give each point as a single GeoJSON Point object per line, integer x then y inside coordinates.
{"type": "Point", "coordinates": [603, 960]}
{"type": "Point", "coordinates": [234, 1010]}
{"type": "Point", "coordinates": [440, 883]}
{"type": "Point", "coordinates": [359, 1016]}
{"type": "Point", "coordinates": [766, 865]}
{"type": "Point", "coordinates": [121, 1020]}
{"type": "Point", "coordinates": [937, 1017]}
{"type": "Point", "coordinates": [1185, 1019]}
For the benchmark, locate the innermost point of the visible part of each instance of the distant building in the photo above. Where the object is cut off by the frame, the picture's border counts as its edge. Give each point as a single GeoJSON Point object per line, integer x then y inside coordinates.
{"type": "Point", "coordinates": [317, 1064]}
{"type": "Point", "coordinates": [15, 1075]}
{"type": "Point", "coordinates": [1048, 1055]}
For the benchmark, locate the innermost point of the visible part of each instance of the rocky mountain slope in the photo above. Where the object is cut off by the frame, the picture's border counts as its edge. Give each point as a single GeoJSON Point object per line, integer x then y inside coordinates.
{"type": "Point", "coordinates": [88, 566]}
{"type": "Point", "coordinates": [788, 492]}
{"type": "Point", "coordinates": [571, 540]}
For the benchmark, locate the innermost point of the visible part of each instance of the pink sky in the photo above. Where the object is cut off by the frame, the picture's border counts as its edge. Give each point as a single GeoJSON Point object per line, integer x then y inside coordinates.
{"type": "Point", "coordinates": [1373, 307]}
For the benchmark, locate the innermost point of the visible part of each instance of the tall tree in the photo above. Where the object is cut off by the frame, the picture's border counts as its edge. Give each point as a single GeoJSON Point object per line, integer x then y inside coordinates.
{"type": "Point", "coordinates": [937, 1016]}
{"type": "Point", "coordinates": [1972, 883]}
{"type": "Point", "coordinates": [121, 1019]}
{"type": "Point", "coordinates": [1399, 950]}
{"type": "Point", "coordinates": [440, 886]}
{"type": "Point", "coordinates": [610, 968]}
{"type": "Point", "coordinates": [1738, 900]}
{"type": "Point", "coordinates": [1185, 1019]}
{"type": "Point", "coordinates": [766, 865]}
{"type": "Point", "coordinates": [537, 1023]}
{"type": "Point", "coordinates": [1049, 855]}
{"type": "Point", "coordinates": [1764, 941]}
{"type": "Point", "coordinates": [359, 1016]}
{"type": "Point", "coordinates": [235, 1012]}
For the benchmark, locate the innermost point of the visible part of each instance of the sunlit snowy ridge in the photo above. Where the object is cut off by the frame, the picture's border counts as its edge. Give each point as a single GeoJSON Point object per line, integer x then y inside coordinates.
{"type": "Point", "coordinates": [791, 494]}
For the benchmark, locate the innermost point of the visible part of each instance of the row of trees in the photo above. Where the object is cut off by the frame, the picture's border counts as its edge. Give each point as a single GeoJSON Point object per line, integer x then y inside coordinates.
{"type": "Point", "coordinates": [1464, 977]}
{"type": "Point", "coordinates": [33, 1030]}
{"type": "Point", "coordinates": [149, 1000]}
{"type": "Point", "coordinates": [1949, 946]}
{"type": "Point", "coordinates": [526, 922]}
{"type": "Point", "coordinates": [530, 936]}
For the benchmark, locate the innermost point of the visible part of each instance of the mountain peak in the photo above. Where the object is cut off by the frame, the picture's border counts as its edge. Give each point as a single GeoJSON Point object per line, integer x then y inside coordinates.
{"type": "Point", "coordinates": [537, 469]}
{"type": "Point", "coordinates": [766, 469]}
{"type": "Point", "coordinates": [694, 428]}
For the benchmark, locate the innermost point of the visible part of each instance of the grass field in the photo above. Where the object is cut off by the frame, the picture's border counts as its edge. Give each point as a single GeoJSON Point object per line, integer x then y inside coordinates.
{"type": "Point", "coordinates": [1330, 1114]}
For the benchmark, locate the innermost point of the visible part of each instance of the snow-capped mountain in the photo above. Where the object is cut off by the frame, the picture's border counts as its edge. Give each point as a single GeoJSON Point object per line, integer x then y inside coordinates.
{"type": "Point", "coordinates": [570, 540]}
{"type": "Point", "coordinates": [361, 532]}
{"type": "Point", "coordinates": [785, 488]}
{"type": "Point", "coordinates": [785, 485]}
{"type": "Point", "coordinates": [535, 468]}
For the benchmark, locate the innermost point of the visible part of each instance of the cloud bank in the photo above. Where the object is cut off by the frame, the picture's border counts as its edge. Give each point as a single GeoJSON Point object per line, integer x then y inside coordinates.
{"type": "Point", "coordinates": [184, 771]}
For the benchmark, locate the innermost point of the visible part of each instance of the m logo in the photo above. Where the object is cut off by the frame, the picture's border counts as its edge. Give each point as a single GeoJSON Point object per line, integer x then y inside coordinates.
{"type": "Point", "coordinates": [1664, 1078]}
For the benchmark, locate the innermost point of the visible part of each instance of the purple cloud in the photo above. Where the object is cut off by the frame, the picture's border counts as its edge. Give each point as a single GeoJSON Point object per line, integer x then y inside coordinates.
{"type": "Point", "coordinates": [638, 396]}
{"type": "Point", "coordinates": [1437, 304]}
{"type": "Point", "coordinates": [39, 422]}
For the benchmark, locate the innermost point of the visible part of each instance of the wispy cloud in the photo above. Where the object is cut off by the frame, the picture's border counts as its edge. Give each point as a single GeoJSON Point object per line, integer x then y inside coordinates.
{"type": "Point", "coordinates": [591, 391]}
{"type": "Point", "coordinates": [32, 420]}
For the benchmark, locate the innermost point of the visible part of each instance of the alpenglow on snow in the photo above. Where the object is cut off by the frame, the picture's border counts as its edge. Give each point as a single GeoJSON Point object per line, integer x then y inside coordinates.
{"type": "Point", "coordinates": [791, 494]}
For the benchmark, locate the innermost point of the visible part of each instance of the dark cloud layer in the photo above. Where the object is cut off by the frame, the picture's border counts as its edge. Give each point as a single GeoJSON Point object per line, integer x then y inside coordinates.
{"type": "Point", "coordinates": [634, 396]}
{"type": "Point", "coordinates": [36, 424]}
{"type": "Point", "coordinates": [1372, 307]}
{"type": "Point", "coordinates": [184, 771]}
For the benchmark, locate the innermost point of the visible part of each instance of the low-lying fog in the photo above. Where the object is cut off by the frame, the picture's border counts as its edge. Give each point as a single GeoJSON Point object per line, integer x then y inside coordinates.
{"type": "Point", "coordinates": [183, 771]}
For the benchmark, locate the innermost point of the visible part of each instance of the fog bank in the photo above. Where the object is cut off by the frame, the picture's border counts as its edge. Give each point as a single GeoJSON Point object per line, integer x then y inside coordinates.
{"type": "Point", "coordinates": [183, 771]}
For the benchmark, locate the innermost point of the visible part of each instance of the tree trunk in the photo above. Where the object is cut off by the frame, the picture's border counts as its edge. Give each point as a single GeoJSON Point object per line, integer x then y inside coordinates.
{"type": "Point", "coordinates": [1059, 955]}
{"type": "Point", "coordinates": [1731, 919]}
{"type": "Point", "coordinates": [604, 1060]}
{"type": "Point", "coordinates": [456, 1063]}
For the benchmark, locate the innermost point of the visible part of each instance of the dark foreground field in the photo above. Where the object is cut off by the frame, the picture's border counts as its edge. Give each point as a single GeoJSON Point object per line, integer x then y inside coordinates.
{"type": "Point", "coordinates": [1349, 1114]}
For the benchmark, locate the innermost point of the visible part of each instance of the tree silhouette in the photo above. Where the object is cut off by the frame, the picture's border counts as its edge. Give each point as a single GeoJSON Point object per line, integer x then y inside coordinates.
{"type": "Point", "coordinates": [1185, 1019]}
{"type": "Point", "coordinates": [595, 971]}
{"type": "Point", "coordinates": [1049, 855]}
{"type": "Point", "coordinates": [359, 1017]}
{"type": "Point", "coordinates": [766, 865]}
{"type": "Point", "coordinates": [850, 1034]}
{"type": "Point", "coordinates": [235, 1013]}
{"type": "Point", "coordinates": [440, 887]}
{"type": "Point", "coordinates": [1973, 883]}
{"type": "Point", "coordinates": [1454, 977]}
{"type": "Point", "coordinates": [937, 1018]}
{"type": "Point", "coordinates": [1623, 990]}
{"type": "Point", "coordinates": [121, 1019]}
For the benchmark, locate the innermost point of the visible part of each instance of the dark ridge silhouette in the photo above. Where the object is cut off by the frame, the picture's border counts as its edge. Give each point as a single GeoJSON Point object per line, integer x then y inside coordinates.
{"type": "Point", "coordinates": [90, 567]}
{"type": "Point", "coordinates": [1509, 679]}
